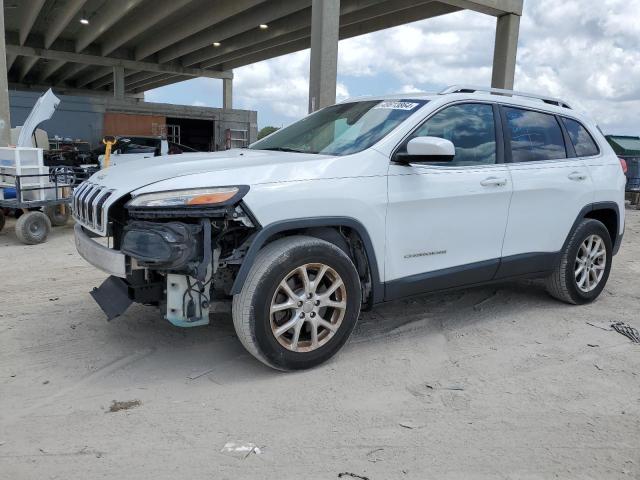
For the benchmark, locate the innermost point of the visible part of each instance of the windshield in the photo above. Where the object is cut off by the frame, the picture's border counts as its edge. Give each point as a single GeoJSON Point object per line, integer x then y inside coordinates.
{"type": "Point", "coordinates": [341, 129]}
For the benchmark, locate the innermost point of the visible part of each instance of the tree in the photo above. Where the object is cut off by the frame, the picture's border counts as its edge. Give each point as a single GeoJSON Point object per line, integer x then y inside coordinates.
{"type": "Point", "coordinates": [266, 131]}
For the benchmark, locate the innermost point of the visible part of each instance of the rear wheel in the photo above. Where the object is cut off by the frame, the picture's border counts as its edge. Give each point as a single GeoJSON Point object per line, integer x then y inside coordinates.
{"type": "Point", "coordinates": [2, 219]}
{"type": "Point", "coordinates": [299, 304]}
{"type": "Point", "coordinates": [584, 266]}
{"type": "Point", "coordinates": [33, 228]}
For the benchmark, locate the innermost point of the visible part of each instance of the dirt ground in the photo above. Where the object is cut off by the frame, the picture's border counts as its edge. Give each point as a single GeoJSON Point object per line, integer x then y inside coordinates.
{"type": "Point", "coordinates": [498, 382]}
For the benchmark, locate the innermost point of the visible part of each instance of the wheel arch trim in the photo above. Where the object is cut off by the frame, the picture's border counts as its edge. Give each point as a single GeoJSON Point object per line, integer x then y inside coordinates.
{"type": "Point", "coordinates": [269, 231]}
{"type": "Point", "coordinates": [593, 207]}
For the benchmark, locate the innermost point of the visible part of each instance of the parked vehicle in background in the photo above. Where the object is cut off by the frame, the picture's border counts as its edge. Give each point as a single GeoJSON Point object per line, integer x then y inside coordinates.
{"type": "Point", "coordinates": [370, 200]}
{"type": "Point", "coordinates": [628, 149]}
{"type": "Point", "coordinates": [128, 148]}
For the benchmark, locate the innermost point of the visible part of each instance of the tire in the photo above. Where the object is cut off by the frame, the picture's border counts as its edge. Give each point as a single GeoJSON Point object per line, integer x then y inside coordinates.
{"type": "Point", "coordinates": [2, 219]}
{"type": "Point", "coordinates": [569, 286]}
{"type": "Point", "coordinates": [263, 333]}
{"type": "Point", "coordinates": [58, 214]}
{"type": "Point", "coordinates": [33, 228]}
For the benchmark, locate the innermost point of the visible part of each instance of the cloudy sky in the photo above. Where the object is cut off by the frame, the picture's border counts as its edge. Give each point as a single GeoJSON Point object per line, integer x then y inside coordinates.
{"type": "Point", "coordinates": [585, 51]}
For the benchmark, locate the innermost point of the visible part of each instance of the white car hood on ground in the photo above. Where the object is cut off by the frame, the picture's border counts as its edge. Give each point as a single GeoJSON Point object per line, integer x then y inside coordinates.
{"type": "Point", "coordinates": [245, 166]}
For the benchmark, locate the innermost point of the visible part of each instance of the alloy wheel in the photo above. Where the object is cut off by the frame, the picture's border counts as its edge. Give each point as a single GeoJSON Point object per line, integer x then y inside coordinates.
{"type": "Point", "coordinates": [591, 262]}
{"type": "Point", "coordinates": [308, 307]}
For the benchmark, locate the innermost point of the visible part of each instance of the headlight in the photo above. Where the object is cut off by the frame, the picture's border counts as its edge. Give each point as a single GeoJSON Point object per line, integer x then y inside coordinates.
{"type": "Point", "coordinates": [197, 197]}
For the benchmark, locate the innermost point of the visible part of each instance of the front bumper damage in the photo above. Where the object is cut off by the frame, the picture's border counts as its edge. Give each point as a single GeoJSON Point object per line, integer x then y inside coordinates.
{"type": "Point", "coordinates": [185, 292]}
{"type": "Point", "coordinates": [104, 258]}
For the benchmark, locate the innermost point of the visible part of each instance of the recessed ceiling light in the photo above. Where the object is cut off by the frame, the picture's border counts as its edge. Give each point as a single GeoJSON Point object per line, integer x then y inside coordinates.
{"type": "Point", "coordinates": [263, 26]}
{"type": "Point", "coordinates": [84, 21]}
{"type": "Point", "coordinates": [216, 44]}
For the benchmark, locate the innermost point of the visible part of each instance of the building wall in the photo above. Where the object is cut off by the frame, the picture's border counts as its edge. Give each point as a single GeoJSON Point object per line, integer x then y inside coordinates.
{"type": "Point", "coordinates": [86, 118]}
{"type": "Point", "coordinates": [130, 124]}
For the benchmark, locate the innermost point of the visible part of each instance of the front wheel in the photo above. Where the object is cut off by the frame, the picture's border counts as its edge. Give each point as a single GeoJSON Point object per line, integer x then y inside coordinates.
{"type": "Point", "coordinates": [584, 265]}
{"type": "Point", "coordinates": [299, 304]}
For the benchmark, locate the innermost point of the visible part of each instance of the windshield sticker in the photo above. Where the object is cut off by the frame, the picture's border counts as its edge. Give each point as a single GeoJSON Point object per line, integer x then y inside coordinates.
{"type": "Point", "coordinates": [397, 105]}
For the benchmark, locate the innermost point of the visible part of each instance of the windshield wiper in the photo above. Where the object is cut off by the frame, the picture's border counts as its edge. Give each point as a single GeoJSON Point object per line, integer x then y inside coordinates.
{"type": "Point", "coordinates": [285, 149]}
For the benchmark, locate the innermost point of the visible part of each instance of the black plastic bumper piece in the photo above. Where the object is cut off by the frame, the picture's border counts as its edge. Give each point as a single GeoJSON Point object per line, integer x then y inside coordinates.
{"type": "Point", "coordinates": [112, 297]}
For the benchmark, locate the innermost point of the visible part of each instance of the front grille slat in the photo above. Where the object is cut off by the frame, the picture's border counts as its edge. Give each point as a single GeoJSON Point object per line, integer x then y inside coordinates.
{"type": "Point", "coordinates": [88, 205]}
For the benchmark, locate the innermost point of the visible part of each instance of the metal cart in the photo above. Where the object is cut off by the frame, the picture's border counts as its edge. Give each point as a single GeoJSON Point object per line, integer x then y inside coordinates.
{"type": "Point", "coordinates": [41, 201]}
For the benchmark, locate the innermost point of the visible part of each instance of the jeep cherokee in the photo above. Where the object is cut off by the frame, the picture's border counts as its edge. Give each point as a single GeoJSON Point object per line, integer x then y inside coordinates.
{"type": "Point", "coordinates": [362, 202]}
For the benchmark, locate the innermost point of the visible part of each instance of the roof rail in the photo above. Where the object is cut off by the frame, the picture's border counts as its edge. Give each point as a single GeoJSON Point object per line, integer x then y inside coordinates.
{"type": "Point", "coordinates": [499, 91]}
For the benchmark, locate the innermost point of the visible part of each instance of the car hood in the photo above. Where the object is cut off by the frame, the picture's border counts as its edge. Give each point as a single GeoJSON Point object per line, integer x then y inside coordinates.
{"type": "Point", "coordinates": [246, 166]}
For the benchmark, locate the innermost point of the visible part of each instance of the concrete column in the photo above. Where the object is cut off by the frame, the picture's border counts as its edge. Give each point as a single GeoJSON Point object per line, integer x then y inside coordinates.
{"type": "Point", "coordinates": [5, 113]}
{"type": "Point", "coordinates": [118, 82]}
{"type": "Point", "coordinates": [504, 54]}
{"type": "Point", "coordinates": [323, 71]}
{"type": "Point", "coordinates": [227, 93]}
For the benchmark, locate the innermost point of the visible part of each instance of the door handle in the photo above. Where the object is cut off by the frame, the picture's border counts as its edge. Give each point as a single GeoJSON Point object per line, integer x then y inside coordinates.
{"type": "Point", "coordinates": [493, 182]}
{"type": "Point", "coordinates": [577, 176]}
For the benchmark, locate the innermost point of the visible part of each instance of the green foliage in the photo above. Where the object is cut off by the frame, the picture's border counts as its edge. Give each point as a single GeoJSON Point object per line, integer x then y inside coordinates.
{"type": "Point", "coordinates": [266, 131]}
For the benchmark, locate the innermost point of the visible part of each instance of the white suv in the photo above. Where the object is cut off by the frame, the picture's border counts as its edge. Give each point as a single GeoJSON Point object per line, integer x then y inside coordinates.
{"type": "Point", "coordinates": [362, 202]}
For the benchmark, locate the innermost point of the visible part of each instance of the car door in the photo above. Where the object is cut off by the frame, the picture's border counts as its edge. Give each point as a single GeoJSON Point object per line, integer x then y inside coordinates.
{"type": "Point", "coordinates": [550, 188]}
{"type": "Point", "coordinates": [446, 221]}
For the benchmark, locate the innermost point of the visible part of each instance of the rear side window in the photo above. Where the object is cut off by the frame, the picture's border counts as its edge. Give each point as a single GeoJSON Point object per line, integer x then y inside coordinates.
{"type": "Point", "coordinates": [582, 140]}
{"type": "Point", "coordinates": [535, 136]}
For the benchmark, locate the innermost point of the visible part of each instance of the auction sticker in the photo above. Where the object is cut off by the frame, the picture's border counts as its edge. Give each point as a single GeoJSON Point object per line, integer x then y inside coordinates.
{"type": "Point", "coordinates": [397, 105]}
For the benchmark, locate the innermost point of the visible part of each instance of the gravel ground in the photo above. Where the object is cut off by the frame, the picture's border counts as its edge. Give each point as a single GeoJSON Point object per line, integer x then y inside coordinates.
{"type": "Point", "coordinates": [496, 382]}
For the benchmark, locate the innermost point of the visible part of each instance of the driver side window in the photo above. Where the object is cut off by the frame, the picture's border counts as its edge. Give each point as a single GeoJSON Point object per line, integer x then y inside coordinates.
{"type": "Point", "coordinates": [471, 129]}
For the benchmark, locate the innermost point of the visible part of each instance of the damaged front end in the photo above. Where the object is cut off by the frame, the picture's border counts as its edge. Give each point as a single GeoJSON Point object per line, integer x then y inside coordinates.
{"type": "Point", "coordinates": [179, 251]}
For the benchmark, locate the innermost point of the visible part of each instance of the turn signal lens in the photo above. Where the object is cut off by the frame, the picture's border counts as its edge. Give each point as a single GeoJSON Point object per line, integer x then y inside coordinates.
{"type": "Point", "coordinates": [212, 198]}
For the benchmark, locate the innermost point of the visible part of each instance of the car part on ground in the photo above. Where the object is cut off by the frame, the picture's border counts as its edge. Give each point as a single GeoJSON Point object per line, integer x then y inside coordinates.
{"type": "Point", "coordinates": [627, 330]}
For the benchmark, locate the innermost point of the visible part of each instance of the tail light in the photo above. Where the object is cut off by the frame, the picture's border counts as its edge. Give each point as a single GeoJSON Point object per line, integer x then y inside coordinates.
{"type": "Point", "coordinates": [623, 164]}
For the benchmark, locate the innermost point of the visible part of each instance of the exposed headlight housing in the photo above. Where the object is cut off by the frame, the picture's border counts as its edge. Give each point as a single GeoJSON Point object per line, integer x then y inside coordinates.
{"type": "Point", "coordinates": [195, 197]}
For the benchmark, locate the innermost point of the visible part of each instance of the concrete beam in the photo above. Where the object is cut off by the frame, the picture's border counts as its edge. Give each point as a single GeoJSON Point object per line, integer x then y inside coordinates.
{"type": "Point", "coordinates": [33, 8]}
{"type": "Point", "coordinates": [93, 75]}
{"type": "Point", "coordinates": [495, 8]}
{"type": "Point", "coordinates": [85, 59]}
{"type": "Point", "coordinates": [59, 23]}
{"type": "Point", "coordinates": [201, 18]}
{"type": "Point", "coordinates": [227, 94]}
{"type": "Point", "coordinates": [49, 69]}
{"type": "Point", "coordinates": [109, 15]}
{"type": "Point", "coordinates": [10, 60]}
{"type": "Point", "coordinates": [269, 12]}
{"type": "Point", "coordinates": [143, 78]}
{"type": "Point", "coordinates": [118, 82]}
{"type": "Point", "coordinates": [162, 83]}
{"type": "Point", "coordinates": [5, 111]}
{"type": "Point", "coordinates": [323, 71]}
{"type": "Point", "coordinates": [70, 71]}
{"type": "Point", "coordinates": [505, 52]}
{"type": "Point", "coordinates": [26, 65]}
{"type": "Point", "coordinates": [401, 17]}
{"type": "Point", "coordinates": [140, 22]}
{"type": "Point", "coordinates": [356, 18]}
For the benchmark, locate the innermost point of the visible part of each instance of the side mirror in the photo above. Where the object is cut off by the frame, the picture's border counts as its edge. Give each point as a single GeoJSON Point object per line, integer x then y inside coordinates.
{"type": "Point", "coordinates": [428, 149]}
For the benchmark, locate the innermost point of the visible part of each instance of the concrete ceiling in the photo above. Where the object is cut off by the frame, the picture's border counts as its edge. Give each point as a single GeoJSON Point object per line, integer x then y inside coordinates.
{"type": "Point", "coordinates": [160, 42]}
